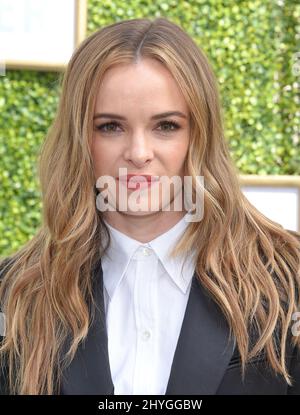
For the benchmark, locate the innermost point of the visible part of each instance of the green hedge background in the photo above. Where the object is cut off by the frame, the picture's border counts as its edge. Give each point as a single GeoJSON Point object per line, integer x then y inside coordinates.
{"type": "Point", "coordinates": [252, 46]}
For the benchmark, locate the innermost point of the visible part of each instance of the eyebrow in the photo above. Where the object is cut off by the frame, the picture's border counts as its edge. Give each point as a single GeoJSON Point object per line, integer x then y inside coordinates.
{"type": "Point", "coordinates": [154, 117]}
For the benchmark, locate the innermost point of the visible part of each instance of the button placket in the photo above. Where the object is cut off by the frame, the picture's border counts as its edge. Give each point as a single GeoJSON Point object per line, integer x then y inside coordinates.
{"type": "Point", "coordinates": [144, 323]}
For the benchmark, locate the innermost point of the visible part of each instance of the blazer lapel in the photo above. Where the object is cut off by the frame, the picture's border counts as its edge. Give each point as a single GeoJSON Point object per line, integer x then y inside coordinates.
{"type": "Point", "coordinates": [204, 348]}
{"type": "Point", "coordinates": [89, 372]}
{"type": "Point", "coordinates": [201, 357]}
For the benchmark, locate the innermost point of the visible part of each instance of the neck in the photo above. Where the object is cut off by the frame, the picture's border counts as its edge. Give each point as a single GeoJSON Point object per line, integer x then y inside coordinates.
{"type": "Point", "coordinates": [143, 228]}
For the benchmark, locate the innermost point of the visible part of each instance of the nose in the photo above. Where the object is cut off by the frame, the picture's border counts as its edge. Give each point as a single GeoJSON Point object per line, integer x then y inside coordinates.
{"type": "Point", "coordinates": [139, 150]}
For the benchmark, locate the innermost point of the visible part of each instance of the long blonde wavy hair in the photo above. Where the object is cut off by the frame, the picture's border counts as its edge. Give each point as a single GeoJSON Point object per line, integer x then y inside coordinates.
{"type": "Point", "coordinates": [46, 290]}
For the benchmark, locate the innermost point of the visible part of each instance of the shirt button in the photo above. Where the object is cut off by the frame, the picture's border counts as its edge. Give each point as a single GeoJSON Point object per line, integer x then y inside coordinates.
{"type": "Point", "coordinates": [146, 335]}
{"type": "Point", "coordinates": [146, 251]}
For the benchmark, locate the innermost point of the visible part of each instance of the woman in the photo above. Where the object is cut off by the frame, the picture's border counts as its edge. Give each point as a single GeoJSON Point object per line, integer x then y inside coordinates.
{"type": "Point", "coordinates": [93, 303]}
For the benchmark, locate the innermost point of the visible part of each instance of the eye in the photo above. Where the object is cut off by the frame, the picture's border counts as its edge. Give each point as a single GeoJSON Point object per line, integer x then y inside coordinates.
{"type": "Point", "coordinates": [108, 124]}
{"type": "Point", "coordinates": [169, 124]}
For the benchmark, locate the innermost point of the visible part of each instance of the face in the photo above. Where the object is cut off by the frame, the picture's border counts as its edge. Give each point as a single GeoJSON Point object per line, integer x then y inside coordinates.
{"type": "Point", "coordinates": [135, 135]}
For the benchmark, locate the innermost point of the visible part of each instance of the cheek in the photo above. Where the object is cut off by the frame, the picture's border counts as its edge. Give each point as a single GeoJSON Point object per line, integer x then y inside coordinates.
{"type": "Point", "coordinates": [177, 155]}
{"type": "Point", "coordinates": [102, 157]}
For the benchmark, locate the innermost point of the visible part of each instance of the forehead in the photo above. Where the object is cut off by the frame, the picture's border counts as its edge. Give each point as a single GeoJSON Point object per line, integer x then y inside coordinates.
{"type": "Point", "coordinates": [147, 82]}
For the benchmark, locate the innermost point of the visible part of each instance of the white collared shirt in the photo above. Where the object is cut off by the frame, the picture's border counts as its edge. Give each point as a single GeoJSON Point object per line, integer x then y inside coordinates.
{"type": "Point", "coordinates": [145, 297]}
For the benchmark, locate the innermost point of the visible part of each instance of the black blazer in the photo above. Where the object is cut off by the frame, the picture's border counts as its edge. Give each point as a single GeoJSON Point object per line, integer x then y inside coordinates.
{"type": "Point", "coordinates": [205, 361]}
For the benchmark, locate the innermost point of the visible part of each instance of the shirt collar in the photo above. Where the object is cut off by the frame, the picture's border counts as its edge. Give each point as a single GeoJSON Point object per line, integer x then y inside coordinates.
{"type": "Point", "coordinates": [116, 259]}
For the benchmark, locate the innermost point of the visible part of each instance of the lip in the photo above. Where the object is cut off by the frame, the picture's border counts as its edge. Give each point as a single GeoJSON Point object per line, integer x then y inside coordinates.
{"type": "Point", "coordinates": [138, 178]}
